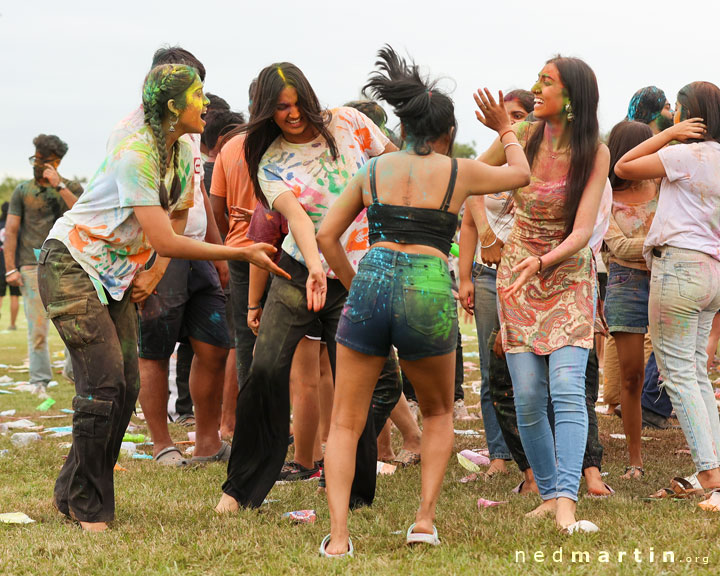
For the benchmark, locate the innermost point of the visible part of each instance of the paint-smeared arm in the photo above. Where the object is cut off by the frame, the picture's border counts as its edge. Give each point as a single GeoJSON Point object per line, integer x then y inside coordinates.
{"type": "Point", "coordinates": [340, 216]}
{"type": "Point", "coordinates": [643, 161]}
{"type": "Point", "coordinates": [303, 231]}
{"type": "Point", "coordinates": [621, 246]}
{"type": "Point", "coordinates": [12, 227]}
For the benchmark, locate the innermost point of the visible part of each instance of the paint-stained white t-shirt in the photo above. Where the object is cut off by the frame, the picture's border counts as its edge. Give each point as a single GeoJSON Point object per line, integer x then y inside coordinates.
{"type": "Point", "coordinates": [688, 210]}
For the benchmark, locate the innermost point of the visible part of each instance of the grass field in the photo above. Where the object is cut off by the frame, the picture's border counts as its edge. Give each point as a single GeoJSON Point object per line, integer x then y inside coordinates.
{"type": "Point", "coordinates": [166, 525]}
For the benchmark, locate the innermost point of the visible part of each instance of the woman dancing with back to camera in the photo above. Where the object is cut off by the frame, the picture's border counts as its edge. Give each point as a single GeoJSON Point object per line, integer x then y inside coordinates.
{"type": "Point", "coordinates": [402, 295]}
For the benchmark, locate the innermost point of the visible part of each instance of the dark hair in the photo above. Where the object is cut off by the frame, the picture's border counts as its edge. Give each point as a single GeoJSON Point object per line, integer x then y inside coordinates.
{"type": "Point", "coordinates": [425, 112]}
{"type": "Point", "coordinates": [702, 100]}
{"type": "Point", "coordinates": [49, 145]}
{"type": "Point", "coordinates": [216, 103]}
{"type": "Point", "coordinates": [524, 97]}
{"type": "Point", "coordinates": [646, 104]}
{"type": "Point", "coordinates": [623, 137]}
{"type": "Point", "coordinates": [4, 210]}
{"type": "Point", "coordinates": [582, 91]}
{"type": "Point", "coordinates": [262, 131]}
{"type": "Point", "coordinates": [162, 84]}
{"type": "Point", "coordinates": [371, 109]}
{"type": "Point", "coordinates": [177, 55]}
{"type": "Point", "coordinates": [218, 125]}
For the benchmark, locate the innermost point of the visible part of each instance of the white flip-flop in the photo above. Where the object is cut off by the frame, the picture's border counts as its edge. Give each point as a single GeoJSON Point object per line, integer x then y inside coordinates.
{"type": "Point", "coordinates": [582, 526]}
{"type": "Point", "coordinates": [325, 554]}
{"type": "Point", "coordinates": [421, 538]}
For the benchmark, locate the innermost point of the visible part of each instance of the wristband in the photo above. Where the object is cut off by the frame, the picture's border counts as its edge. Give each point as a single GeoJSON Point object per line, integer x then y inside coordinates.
{"type": "Point", "coordinates": [254, 307]}
{"type": "Point", "coordinates": [506, 146]}
{"type": "Point", "coordinates": [7, 274]}
{"type": "Point", "coordinates": [506, 132]}
{"type": "Point", "coordinates": [539, 259]}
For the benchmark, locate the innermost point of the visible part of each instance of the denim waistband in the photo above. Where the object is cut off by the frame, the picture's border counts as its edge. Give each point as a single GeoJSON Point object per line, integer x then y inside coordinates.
{"type": "Point", "coordinates": [387, 258]}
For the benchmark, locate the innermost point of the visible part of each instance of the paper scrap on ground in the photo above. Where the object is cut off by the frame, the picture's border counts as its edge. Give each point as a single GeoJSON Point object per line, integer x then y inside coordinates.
{"type": "Point", "coordinates": [59, 431]}
{"type": "Point", "coordinates": [46, 405]}
{"type": "Point", "coordinates": [21, 424]}
{"type": "Point", "coordinates": [483, 503]}
{"type": "Point", "coordinates": [119, 468]}
{"type": "Point", "coordinates": [142, 456]}
{"type": "Point", "coordinates": [472, 461]}
{"type": "Point", "coordinates": [5, 380]}
{"type": "Point", "coordinates": [137, 438]}
{"type": "Point", "coordinates": [7, 413]}
{"type": "Point", "coordinates": [468, 478]}
{"type": "Point", "coordinates": [67, 410]}
{"type": "Point", "coordinates": [5, 392]}
{"type": "Point", "coordinates": [16, 518]}
{"type": "Point", "coordinates": [270, 500]}
{"type": "Point", "coordinates": [385, 468]}
{"type": "Point", "coordinates": [301, 516]}
{"type": "Point", "coordinates": [622, 437]}
{"type": "Point", "coordinates": [468, 432]}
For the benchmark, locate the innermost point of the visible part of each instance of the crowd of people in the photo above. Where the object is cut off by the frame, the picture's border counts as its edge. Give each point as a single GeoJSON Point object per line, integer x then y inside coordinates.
{"type": "Point", "coordinates": [300, 259]}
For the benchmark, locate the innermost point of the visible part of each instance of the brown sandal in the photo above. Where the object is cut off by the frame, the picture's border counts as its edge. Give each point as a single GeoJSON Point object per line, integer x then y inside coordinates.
{"type": "Point", "coordinates": [406, 458]}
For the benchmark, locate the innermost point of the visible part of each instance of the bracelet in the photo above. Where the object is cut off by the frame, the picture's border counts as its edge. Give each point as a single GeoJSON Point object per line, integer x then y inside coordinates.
{"type": "Point", "coordinates": [503, 134]}
{"type": "Point", "coordinates": [11, 272]}
{"type": "Point", "coordinates": [511, 144]}
{"type": "Point", "coordinates": [258, 307]}
{"type": "Point", "coordinates": [491, 243]}
{"type": "Point", "coordinates": [539, 259]}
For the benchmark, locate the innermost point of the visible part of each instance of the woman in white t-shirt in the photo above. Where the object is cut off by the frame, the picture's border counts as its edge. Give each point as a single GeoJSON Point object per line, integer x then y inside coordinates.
{"type": "Point", "coordinates": [682, 250]}
{"type": "Point", "coordinates": [300, 157]}
{"type": "Point", "coordinates": [135, 204]}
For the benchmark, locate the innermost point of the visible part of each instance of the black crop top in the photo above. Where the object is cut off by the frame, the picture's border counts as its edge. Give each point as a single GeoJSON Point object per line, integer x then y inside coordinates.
{"type": "Point", "coordinates": [410, 225]}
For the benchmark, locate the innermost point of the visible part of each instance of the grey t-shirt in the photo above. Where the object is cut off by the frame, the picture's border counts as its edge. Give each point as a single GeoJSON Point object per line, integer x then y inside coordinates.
{"type": "Point", "coordinates": [38, 208]}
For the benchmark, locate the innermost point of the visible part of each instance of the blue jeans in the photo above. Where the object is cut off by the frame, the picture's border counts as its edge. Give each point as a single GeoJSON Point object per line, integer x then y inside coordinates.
{"type": "Point", "coordinates": [684, 298]}
{"type": "Point", "coordinates": [37, 321]}
{"type": "Point", "coordinates": [486, 321]}
{"type": "Point", "coordinates": [557, 463]}
{"type": "Point", "coordinates": [653, 397]}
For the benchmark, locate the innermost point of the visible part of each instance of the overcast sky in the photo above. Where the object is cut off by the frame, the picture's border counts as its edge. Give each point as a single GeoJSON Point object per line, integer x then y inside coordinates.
{"type": "Point", "coordinates": [74, 68]}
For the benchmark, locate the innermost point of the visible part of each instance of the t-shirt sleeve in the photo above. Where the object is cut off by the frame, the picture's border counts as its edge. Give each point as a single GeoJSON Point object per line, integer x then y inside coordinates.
{"type": "Point", "coordinates": [679, 162]}
{"type": "Point", "coordinates": [137, 179]}
{"type": "Point", "coordinates": [271, 181]}
{"type": "Point", "coordinates": [219, 183]}
{"type": "Point", "coordinates": [370, 138]}
{"type": "Point", "coordinates": [187, 173]}
{"type": "Point", "coordinates": [16, 207]}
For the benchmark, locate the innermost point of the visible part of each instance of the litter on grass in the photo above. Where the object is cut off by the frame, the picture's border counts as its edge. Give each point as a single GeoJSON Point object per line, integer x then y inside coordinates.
{"type": "Point", "coordinates": [469, 478]}
{"type": "Point", "coordinates": [468, 432]}
{"type": "Point", "coordinates": [142, 456]}
{"type": "Point", "coordinates": [21, 424]}
{"type": "Point", "coordinates": [16, 518]}
{"type": "Point", "coordinates": [67, 410]}
{"type": "Point", "coordinates": [46, 405]}
{"type": "Point", "coordinates": [20, 439]}
{"type": "Point", "coordinates": [59, 431]}
{"type": "Point", "coordinates": [7, 413]}
{"type": "Point", "coordinates": [472, 461]}
{"type": "Point", "coordinates": [385, 469]}
{"type": "Point", "coordinates": [301, 516]}
{"type": "Point", "coordinates": [622, 437]}
{"type": "Point", "coordinates": [483, 503]}
{"type": "Point", "coordinates": [5, 392]}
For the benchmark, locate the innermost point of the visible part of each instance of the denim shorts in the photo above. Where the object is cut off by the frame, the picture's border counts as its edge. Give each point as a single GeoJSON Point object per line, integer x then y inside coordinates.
{"type": "Point", "coordinates": [626, 299]}
{"type": "Point", "coordinates": [402, 300]}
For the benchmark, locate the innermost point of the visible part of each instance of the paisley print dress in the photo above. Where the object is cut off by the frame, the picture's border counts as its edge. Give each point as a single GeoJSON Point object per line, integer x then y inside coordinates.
{"type": "Point", "coordinates": [556, 307]}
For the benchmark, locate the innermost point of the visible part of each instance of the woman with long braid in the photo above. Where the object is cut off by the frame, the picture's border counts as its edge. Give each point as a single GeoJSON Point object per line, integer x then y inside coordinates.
{"type": "Point", "coordinates": [87, 266]}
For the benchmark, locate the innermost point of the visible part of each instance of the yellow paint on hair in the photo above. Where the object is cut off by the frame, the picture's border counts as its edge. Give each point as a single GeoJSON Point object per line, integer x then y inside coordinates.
{"type": "Point", "coordinates": [281, 74]}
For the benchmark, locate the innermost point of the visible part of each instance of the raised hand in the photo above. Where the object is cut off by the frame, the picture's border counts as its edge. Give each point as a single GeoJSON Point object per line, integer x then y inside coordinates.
{"type": "Point", "coordinates": [690, 129]}
{"type": "Point", "coordinates": [491, 113]}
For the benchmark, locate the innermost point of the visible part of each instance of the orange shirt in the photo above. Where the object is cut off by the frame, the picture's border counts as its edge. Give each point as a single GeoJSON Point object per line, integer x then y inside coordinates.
{"type": "Point", "coordinates": [231, 180]}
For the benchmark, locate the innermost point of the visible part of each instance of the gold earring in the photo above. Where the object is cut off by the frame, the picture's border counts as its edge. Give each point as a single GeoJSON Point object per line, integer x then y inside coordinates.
{"type": "Point", "coordinates": [569, 110]}
{"type": "Point", "coordinates": [173, 123]}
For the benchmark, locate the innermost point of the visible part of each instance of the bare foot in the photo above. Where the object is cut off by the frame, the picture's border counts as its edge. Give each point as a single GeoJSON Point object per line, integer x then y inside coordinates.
{"type": "Point", "coordinates": [497, 466]}
{"type": "Point", "coordinates": [227, 433]}
{"type": "Point", "coordinates": [633, 473]}
{"type": "Point", "coordinates": [529, 487]}
{"type": "Point", "coordinates": [412, 443]}
{"type": "Point", "coordinates": [565, 514]}
{"type": "Point", "coordinates": [94, 526]}
{"type": "Point", "coordinates": [386, 456]}
{"type": "Point", "coordinates": [595, 484]}
{"type": "Point", "coordinates": [227, 505]}
{"type": "Point", "coordinates": [338, 545]}
{"type": "Point", "coordinates": [547, 508]}
{"type": "Point", "coordinates": [423, 526]}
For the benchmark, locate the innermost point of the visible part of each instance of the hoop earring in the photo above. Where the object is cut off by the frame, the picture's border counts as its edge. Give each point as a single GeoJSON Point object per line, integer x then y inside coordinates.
{"type": "Point", "coordinates": [569, 110]}
{"type": "Point", "coordinates": [173, 123]}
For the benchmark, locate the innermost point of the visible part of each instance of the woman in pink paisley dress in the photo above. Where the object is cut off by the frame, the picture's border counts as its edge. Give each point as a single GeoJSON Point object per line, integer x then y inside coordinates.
{"type": "Point", "coordinates": [546, 280]}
